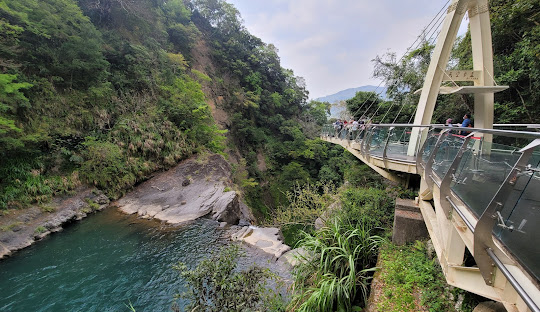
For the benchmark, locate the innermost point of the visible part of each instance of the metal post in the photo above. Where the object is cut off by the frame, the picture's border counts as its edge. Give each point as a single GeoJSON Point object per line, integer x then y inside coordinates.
{"type": "Point", "coordinates": [428, 171]}
{"type": "Point", "coordinates": [447, 179]}
{"type": "Point", "coordinates": [385, 158]}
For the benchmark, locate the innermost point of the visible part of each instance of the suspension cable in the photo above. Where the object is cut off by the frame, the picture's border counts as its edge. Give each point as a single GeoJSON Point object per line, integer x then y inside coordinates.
{"type": "Point", "coordinates": [432, 30]}
{"type": "Point", "coordinates": [437, 18]}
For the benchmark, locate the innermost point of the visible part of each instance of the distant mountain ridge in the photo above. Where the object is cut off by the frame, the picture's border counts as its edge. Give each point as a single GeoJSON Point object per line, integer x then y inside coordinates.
{"type": "Point", "coordinates": [350, 93]}
{"type": "Point", "coordinates": [337, 110]}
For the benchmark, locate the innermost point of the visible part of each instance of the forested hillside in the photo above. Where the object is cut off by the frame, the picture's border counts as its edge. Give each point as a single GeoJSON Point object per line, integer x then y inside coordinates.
{"type": "Point", "coordinates": [107, 92]}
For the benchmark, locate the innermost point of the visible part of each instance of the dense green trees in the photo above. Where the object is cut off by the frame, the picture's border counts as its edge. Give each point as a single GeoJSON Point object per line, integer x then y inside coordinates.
{"type": "Point", "coordinates": [56, 42]}
{"type": "Point", "coordinates": [97, 87]}
{"type": "Point", "coordinates": [12, 100]}
{"type": "Point", "coordinates": [107, 89]}
{"type": "Point", "coordinates": [516, 46]}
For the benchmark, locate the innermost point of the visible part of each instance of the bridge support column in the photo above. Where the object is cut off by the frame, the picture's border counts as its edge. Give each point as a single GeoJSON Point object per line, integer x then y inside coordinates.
{"type": "Point", "coordinates": [409, 225]}
{"type": "Point", "coordinates": [482, 61]}
{"type": "Point", "coordinates": [454, 251]}
{"type": "Point", "coordinates": [437, 66]}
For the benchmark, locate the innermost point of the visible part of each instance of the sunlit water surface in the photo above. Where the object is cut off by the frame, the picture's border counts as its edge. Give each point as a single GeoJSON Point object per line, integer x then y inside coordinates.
{"type": "Point", "coordinates": [104, 263]}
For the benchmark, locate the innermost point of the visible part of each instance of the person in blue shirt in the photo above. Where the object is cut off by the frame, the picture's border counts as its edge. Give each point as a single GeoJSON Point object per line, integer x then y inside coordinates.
{"type": "Point", "coordinates": [466, 121]}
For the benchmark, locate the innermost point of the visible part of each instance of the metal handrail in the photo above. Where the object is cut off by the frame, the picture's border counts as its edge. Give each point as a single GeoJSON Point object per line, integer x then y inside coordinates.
{"type": "Point", "coordinates": [517, 286]}
{"type": "Point", "coordinates": [505, 133]}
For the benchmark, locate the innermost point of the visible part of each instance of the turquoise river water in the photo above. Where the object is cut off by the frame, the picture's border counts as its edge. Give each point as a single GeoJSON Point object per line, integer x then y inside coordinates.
{"type": "Point", "coordinates": [103, 263]}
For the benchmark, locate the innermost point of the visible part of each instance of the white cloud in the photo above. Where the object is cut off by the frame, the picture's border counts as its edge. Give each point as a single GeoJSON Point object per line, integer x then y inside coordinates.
{"type": "Point", "coordinates": [331, 42]}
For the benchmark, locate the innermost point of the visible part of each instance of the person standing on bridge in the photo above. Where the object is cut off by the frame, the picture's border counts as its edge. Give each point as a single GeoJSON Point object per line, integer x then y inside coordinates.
{"type": "Point", "coordinates": [466, 123]}
{"type": "Point", "coordinates": [336, 128]}
{"type": "Point", "coordinates": [354, 129]}
{"type": "Point", "coordinates": [362, 127]}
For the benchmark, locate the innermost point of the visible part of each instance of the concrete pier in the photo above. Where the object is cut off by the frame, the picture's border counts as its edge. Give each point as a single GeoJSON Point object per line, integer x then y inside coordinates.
{"type": "Point", "coordinates": [409, 225]}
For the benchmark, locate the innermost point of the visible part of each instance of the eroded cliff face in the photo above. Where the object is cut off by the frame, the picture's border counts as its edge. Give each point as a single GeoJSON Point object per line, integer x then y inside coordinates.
{"type": "Point", "coordinates": [193, 189]}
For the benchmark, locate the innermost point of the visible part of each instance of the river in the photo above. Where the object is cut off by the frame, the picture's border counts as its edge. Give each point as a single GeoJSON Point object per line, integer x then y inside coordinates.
{"type": "Point", "coordinates": [104, 263]}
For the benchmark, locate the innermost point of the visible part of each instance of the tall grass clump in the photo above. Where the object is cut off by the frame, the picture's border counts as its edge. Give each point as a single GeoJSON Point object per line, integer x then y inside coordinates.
{"type": "Point", "coordinates": [25, 181]}
{"type": "Point", "coordinates": [335, 274]}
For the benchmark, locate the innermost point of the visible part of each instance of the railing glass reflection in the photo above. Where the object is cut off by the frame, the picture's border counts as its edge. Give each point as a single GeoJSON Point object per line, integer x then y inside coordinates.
{"type": "Point", "coordinates": [429, 145]}
{"type": "Point", "coordinates": [449, 147]}
{"type": "Point", "coordinates": [398, 143]}
{"type": "Point", "coordinates": [378, 140]}
{"type": "Point", "coordinates": [517, 226]}
{"type": "Point", "coordinates": [481, 173]}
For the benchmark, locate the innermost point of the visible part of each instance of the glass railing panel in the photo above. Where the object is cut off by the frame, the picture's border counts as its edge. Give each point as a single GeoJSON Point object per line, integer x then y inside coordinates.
{"type": "Point", "coordinates": [351, 134]}
{"type": "Point", "coordinates": [344, 133]}
{"type": "Point", "coordinates": [449, 148]}
{"type": "Point", "coordinates": [378, 141]}
{"type": "Point", "coordinates": [429, 145]}
{"type": "Point", "coordinates": [398, 143]}
{"type": "Point", "coordinates": [324, 130]}
{"type": "Point", "coordinates": [361, 134]}
{"type": "Point", "coordinates": [481, 172]}
{"type": "Point", "coordinates": [329, 130]}
{"type": "Point", "coordinates": [521, 215]}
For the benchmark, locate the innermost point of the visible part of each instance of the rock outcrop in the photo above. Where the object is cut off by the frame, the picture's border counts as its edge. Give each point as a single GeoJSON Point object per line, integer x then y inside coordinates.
{"type": "Point", "coordinates": [295, 256]}
{"type": "Point", "coordinates": [193, 189]}
{"type": "Point", "coordinates": [268, 240]}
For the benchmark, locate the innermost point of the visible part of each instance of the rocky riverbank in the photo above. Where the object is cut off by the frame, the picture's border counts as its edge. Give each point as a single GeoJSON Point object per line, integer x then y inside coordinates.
{"type": "Point", "coordinates": [196, 188]}
{"type": "Point", "coordinates": [201, 188]}
{"type": "Point", "coordinates": [22, 228]}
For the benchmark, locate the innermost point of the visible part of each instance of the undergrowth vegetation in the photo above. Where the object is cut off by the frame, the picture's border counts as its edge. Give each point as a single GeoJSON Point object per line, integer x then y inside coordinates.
{"type": "Point", "coordinates": [340, 258]}
{"type": "Point", "coordinates": [217, 284]}
{"type": "Point", "coordinates": [412, 280]}
{"type": "Point", "coordinates": [335, 273]}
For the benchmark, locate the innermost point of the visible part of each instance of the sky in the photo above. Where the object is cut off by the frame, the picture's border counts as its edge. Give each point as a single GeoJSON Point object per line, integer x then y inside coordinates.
{"type": "Point", "coordinates": [331, 43]}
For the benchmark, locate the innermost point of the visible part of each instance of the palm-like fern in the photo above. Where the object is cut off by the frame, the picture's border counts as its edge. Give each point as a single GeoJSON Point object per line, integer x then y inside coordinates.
{"type": "Point", "coordinates": [338, 269]}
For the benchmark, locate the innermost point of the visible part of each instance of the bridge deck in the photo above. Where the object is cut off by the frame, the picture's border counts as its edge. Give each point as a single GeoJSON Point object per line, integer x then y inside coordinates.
{"type": "Point", "coordinates": [486, 197]}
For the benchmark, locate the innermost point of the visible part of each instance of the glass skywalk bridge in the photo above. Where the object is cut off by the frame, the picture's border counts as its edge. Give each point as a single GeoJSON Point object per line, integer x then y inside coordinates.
{"type": "Point", "coordinates": [479, 191]}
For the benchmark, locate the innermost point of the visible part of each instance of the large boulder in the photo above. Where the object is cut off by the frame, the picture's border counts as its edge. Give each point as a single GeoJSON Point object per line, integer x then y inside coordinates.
{"type": "Point", "coordinates": [193, 189]}
{"type": "Point", "coordinates": [268, 240]}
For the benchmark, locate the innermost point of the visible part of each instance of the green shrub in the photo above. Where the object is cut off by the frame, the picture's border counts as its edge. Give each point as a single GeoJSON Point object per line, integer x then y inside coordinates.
{"type": "Point", "coordinates": [9, 227]}
{"type": "Point", "coordinates": [40, 229]}
{"type": "Point", "coordinates": [368, 205]}
{"type": "Point", "coordinates": [305, 203]}
{"type": "Point", "coordinates": [92, 206]}
{"type": "Point", "coordinates": [47, 208]}
{"type": "Point", "coordinates": [23, 183]}
{"type": "Point", "coordinates": [363, 176]}
{"type": "Point", "coordinates": [216, 284]}
{"type": "Point", "coordinates": [106, 167]}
